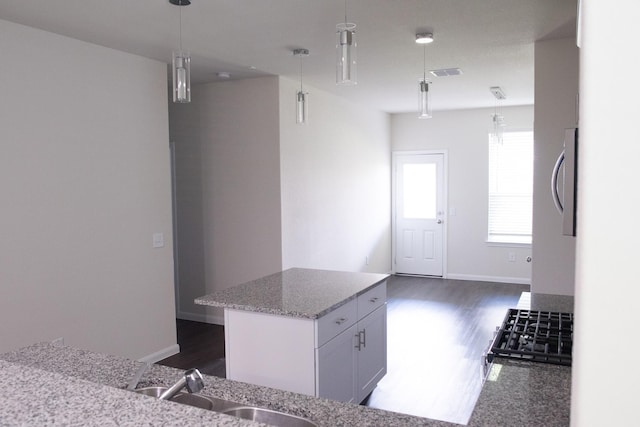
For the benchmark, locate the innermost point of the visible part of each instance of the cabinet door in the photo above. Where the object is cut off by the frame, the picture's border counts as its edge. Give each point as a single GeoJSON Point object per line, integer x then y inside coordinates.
{"type": "Point", "coordinates": [372, 356]}
{"type": "Point", "coordinates": [336, 368]}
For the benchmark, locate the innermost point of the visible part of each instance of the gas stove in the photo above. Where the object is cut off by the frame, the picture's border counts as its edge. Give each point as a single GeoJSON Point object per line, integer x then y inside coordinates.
{"type": "Point", "coordinates": [534, 335]}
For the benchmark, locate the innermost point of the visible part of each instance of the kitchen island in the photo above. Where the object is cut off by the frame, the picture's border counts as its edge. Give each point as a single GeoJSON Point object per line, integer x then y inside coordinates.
{"type": "Point", "coordinates": [317, 332]}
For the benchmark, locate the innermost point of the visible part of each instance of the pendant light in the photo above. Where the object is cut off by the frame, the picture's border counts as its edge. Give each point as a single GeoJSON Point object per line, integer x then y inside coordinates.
{"type": "Point", "coordinates": [497, 119]}
{"type": "Point", "coordinates": [301, 95]}
{"type": "Point", "coordinates": [346, 65]}
{"type": "Point", "coordinates": [425, 96]}
{"type": "Point", "coordinates": [181, 65]}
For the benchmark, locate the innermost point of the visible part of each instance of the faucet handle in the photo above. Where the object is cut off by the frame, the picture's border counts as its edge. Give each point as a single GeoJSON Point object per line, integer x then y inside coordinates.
{"type": "Point", "coordinates": [194, 380]}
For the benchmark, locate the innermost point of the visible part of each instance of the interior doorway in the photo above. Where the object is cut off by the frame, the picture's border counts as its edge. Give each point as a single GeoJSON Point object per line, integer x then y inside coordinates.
{"type": "Point", "coordinates": [419, 206]}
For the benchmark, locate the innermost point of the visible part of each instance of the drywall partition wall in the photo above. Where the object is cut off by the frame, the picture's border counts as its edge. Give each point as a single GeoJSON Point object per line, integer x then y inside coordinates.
{"type": "Point", "coordinates": [608, 198]}
{"type": "Point", "coordinates": [464, 134]}
{"type": "Point", "coordinates": [85, 183]}
{"type": "Point", "coordinates": [556, 88]}
{"type": "Point", "coordinates": [185, 134]}
{"type": "Point", "coordinates": [228, 150]}
{"type": "Point", "coordinates": [335, 184]}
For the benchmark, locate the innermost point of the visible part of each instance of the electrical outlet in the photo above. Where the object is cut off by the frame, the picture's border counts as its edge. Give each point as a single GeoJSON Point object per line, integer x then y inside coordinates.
{"type": "Point", "coordinates": [366, 260]}
{"type": "Point", "coordinates": [512, 257]}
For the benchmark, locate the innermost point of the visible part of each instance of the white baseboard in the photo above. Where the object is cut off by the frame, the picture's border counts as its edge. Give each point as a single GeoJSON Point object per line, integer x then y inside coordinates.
{"type": "Point", "coordinates": [161, 354]}
{"type": "Point", "coordinates": [204, 318]}
{"type": "Point", "coordinates": [497, 279]}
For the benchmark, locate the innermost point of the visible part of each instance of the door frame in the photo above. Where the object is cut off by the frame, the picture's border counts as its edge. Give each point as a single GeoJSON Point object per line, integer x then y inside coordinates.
{"type": "Point", "coordinates": [445, 204]}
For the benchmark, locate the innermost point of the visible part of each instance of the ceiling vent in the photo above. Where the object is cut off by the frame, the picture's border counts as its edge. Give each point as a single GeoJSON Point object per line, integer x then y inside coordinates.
{"type": "Point", "coordinates": [446, 72]}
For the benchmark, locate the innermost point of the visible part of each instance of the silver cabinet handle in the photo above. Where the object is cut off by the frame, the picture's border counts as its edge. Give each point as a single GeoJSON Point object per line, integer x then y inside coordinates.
{"type": "Point", "coordinates": [362, 340]}
{"type": "Point", "coordinates": [341, 320]}
{"type": "Point", "coordinates": [374, 299]}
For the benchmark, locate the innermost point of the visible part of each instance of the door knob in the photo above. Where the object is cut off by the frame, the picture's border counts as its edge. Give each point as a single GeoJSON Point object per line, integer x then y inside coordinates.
{"type": "Point", "coordinates": [439, 221]}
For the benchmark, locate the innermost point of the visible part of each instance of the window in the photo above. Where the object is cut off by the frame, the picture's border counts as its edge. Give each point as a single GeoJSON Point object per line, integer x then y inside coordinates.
{"type": "Point", "coordinates": [511, 188]}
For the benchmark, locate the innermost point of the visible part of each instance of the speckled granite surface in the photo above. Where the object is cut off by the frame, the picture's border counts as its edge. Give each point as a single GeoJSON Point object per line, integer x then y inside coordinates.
{"type": "Point", "coordinates": [34, 397]}
{"type": "Point", "coordinates": [524, 394]}
{"type": "Point", "coordinates": [67, 386]}
{"type": "Point", "coordinates": [546, 302]}
{"type": "Point", "coordinates": [296, 292]}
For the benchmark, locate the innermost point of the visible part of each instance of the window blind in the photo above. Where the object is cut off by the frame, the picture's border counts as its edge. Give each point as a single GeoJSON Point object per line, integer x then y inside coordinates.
{"type": "Point", "coordinates": [511, 187]}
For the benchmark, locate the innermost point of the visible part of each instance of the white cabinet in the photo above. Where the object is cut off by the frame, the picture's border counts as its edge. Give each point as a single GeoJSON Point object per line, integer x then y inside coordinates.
{"type": "Point", "coordinates": [341, 356]}
{"type": "Point", "coordinates": [337, 367]}
{"type": "Point", "coordinates": [352, 363]}
{"type": "Point", "coordinates": [372, 354]}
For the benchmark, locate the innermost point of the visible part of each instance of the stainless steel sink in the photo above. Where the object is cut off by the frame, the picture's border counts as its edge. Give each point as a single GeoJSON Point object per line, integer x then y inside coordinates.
{"type": "Point", "coordinates": [196, 400]}
{"type": "Point", "coordinates": [268, 416]}
{"type": "Point", "coordinates": [227, 407]}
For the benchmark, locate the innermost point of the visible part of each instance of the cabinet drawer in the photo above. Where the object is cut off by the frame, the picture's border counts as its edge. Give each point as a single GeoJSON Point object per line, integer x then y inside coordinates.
{"type": "Point", "coordinates": [372, 299]}
{"type": "Point", "coordinates": [336, 321]}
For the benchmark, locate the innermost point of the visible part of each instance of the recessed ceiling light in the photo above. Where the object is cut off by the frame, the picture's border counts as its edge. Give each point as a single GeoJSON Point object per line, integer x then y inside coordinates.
{"type": "Point", "coordinates": [223, 75]}
{"type": "Point", "coordinates": [424, 38]}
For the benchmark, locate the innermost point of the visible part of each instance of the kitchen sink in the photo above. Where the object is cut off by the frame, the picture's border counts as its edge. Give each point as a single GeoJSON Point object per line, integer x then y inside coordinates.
{"type": "Point", "coordinates": [227, 407]}
{"type": "Point", "coordinates": [191, 399]}
{"type": "Point", "coordinates": [268, 416]}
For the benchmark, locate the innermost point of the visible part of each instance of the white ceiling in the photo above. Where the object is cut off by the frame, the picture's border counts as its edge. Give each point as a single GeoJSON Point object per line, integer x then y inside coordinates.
{"type": "Point", "coordinates": [492, 41]}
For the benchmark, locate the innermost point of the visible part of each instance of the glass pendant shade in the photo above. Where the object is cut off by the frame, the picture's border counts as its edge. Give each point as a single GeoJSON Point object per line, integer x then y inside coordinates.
{"type": "Point", "coordinates": [425, 100]}
{"type": "Point", "coordinates": [498, 127]}
{"type": "Point", "coordinates": [181, 77]}
{"type": "Point", "coordinates": [301, 107]}
{"type": "Point", "coordinates": [346, 65]}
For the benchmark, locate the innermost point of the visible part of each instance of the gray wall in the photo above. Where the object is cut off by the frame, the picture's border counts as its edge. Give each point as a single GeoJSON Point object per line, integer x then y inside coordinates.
{"type": "Point", "coordinates": [464, 134]}
{"type": "Point", "coordinates": [335, 174]}
{"type": "Point", "coordinates": [228, 189]}
{"type": "Point", "coordinates": [556, 76]}
{"type": "Point", "coordinates": [257, 193]}
{"type": "Point", "coordinates": [84, 183]}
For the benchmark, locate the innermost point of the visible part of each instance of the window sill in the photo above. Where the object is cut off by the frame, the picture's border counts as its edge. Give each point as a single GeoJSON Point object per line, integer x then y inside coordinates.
{"type": "Point", "coordinates": [508, 244]}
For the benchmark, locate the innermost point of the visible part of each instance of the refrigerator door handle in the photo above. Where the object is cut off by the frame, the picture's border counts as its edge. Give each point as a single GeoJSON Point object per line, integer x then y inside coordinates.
{"type": "Point", "coordinates": [555, 192]}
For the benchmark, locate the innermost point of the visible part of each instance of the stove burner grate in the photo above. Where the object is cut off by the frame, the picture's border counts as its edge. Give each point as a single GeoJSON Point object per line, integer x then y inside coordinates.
{"type": "Point", "coordinates": [539, 336]}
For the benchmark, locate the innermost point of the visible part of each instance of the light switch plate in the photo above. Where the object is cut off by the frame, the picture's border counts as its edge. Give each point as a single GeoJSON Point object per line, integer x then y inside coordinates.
{"type": "Point", "coordinates": [158, 240]}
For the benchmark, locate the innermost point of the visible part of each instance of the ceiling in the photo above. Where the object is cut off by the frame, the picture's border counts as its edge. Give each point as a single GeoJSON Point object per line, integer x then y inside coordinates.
{"type": "Point", "coordinates": [492, 41]}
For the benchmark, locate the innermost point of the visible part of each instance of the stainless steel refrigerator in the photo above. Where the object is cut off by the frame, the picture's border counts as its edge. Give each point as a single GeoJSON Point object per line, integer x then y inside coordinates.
{"type": "Point", "coordinates": [564, 181]}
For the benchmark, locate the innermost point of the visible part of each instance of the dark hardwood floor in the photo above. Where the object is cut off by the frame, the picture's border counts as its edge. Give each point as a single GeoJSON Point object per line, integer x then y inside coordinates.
{"type": "Point", "coordinates": [201, 346]}
{"type": "Point", "coordinates": [437, 332]}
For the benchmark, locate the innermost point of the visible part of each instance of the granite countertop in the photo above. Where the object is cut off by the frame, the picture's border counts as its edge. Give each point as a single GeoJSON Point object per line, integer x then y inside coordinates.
{"type": "Point", "coordinates": [518, 393]}
{"type": "Point", "coordinates": [296, 292]}
{"type": "Point", "coordinates": [63, 385]}
{"type": "Point", "coordinates": [522, 393]}
{"type": "Point", "coordinates": [66, 386]}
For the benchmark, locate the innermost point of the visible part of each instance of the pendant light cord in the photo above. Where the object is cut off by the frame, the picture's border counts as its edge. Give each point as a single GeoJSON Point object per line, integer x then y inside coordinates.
{"type": "Point", "coordinates": [301, 74]}
{"type": "Point", "coordinates": [345, 11]}
{"type": "Point", "coordinates": [180, 26]}
{"type": "Point", "coordinates": [424, 63]}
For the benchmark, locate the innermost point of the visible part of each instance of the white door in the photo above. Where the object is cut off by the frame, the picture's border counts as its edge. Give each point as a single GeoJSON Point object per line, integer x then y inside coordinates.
{"type": "Point", "coordinates": [419, 213]}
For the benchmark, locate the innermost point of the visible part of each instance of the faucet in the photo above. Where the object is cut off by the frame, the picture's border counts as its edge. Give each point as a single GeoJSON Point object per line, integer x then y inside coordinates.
{"type": "Point", "coordinates": [191, 380]}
